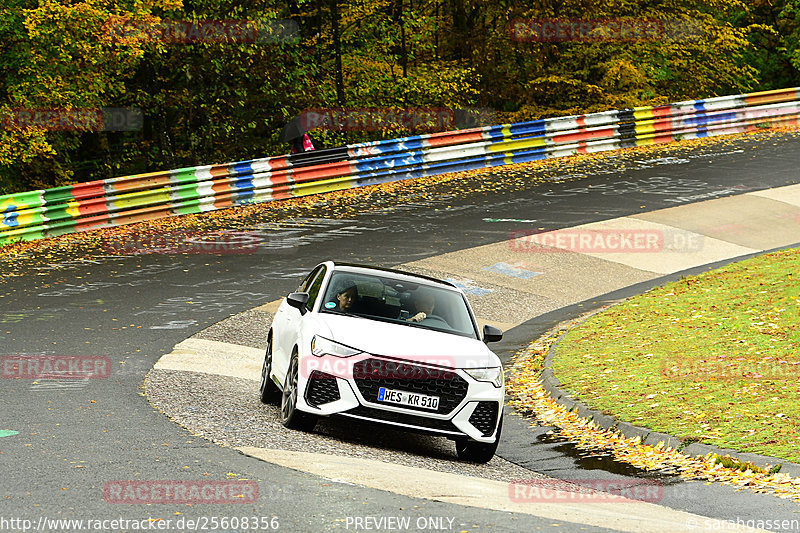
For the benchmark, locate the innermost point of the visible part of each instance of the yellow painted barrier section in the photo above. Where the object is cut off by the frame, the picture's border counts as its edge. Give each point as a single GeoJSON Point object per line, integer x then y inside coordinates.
{"type": "Point", "coordinates": [513, 146]}
{"type": "Point", "coordinates": [72, 209]}
{"type": "Point", "coordinates": [19, 219]}
{"type": "Point", "coordinates": [23, 217]}
{"type": "Point", "coordinates": [329, 185]}
{"type": "Point", "coordinates": [140, 198]}
{"type": "Point", "coordinates": [640, 113]}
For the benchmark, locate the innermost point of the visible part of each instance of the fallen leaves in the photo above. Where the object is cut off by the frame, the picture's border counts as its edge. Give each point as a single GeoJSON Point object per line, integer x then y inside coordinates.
{"type": "Point", "coordinates": [528, 396]}
{"type": "Point", "coordinates": [349, 203]}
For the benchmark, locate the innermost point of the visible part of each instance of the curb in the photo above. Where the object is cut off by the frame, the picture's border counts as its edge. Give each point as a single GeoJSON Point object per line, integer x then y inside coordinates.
{"type": "Point", "coordinates": [648, 436]}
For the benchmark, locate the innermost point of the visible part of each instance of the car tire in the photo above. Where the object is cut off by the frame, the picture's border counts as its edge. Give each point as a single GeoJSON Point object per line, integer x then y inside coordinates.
{"type": "Point", "coordinates": [291, 417]}
{"type": "Point", "coordinates": [267, 390]}
{"type": "Point", "coordinates": [478, 452]}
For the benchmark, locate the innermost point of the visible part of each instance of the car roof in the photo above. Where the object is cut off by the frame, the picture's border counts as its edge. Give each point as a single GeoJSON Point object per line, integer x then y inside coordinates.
{"type": "Point", "coordinates": [348, 266]}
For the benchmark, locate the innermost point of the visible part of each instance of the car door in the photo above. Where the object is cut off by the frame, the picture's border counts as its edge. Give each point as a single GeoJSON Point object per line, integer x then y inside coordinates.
{"type": "Point", "coordinates": [288, 322]}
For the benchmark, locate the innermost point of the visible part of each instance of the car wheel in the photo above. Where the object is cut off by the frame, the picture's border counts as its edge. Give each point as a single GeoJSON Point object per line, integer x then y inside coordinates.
{"type": "Point", "coordinates": [267, 389]}
{"type": "Point", "coordinates": [291, 417]}
{"type": "Point", "coordinates": [478, 452]}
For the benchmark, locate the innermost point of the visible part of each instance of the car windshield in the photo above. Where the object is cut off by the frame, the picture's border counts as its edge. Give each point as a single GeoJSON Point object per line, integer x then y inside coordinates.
{"type": "Point", "coordinates": [400, 301]}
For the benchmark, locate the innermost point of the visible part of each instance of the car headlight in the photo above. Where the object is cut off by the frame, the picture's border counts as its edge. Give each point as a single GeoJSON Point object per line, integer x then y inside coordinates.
{"type": "Point", "coordinates": [493, 375]}
{"type": "Point", "coordinates": [321, 346]}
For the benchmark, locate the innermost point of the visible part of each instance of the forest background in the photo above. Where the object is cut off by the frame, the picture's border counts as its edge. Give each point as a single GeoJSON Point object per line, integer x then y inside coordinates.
{"type": "Point", "coordinates": [184, 83]}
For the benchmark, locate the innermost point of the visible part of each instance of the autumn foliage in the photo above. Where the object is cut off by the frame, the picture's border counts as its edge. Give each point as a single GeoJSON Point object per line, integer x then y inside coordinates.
{"type": "Point", "coordinates": [207, 100]}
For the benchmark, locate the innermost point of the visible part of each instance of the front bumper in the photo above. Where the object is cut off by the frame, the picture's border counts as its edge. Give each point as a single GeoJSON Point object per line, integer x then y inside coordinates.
{"type": "Point", "coordinates": [467, 407]}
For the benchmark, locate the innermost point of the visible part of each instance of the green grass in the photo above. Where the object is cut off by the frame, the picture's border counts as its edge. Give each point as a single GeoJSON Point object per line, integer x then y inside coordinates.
{"type": "Point", "coordinates": [713, 358]}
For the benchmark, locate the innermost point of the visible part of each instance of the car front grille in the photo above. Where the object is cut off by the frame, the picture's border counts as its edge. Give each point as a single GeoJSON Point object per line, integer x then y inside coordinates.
{"type": "Point", "coordinates": [322, 388]}
{"type": "Point", "coordinates": [372, 374]}
{"type": "Point", "coordinates": [484, 417]}
{"type": "Point", "coordinates": [403, 418]}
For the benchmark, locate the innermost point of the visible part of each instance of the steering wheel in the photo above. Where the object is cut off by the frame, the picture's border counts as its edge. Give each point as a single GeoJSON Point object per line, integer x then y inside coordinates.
{"type": "Point", "coordinates": [432, 320]}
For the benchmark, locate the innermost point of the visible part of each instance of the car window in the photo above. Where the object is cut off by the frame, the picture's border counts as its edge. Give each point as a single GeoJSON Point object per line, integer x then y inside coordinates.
{"type": "Point", "coordinates": [307, 281]}
{"type": "Point", "coordinates": [313, 288]}
{"type": "Point", "coordinates": [387, 299]}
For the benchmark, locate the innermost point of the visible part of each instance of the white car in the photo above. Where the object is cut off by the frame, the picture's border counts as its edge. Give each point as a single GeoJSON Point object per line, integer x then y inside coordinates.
{"type": "Point", "coordinates": [389, 347]}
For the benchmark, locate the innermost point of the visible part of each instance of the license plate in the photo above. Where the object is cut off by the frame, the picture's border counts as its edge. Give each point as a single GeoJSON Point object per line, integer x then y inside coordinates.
{"type": "Point", "coordinates": [411, 399]}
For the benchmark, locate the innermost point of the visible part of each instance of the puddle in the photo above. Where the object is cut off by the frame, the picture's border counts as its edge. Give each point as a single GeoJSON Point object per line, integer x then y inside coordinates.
{"type": "Point", "coordinates": [602, 460]}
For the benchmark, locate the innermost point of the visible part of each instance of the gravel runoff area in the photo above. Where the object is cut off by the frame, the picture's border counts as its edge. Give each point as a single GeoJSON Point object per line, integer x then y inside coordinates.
{"type": "Point", "coordinates": [227, 411]}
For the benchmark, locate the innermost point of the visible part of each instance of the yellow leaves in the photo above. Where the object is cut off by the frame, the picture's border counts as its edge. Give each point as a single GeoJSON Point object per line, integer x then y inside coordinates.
{"type": "Point", "coordinates": [528, 396]}
{"type": "Point", "coordinates": [69, 57]}
{"type": "Point", "coordinates": [168, 4]}
{"type": "Point", "coordinates": [21, 144]}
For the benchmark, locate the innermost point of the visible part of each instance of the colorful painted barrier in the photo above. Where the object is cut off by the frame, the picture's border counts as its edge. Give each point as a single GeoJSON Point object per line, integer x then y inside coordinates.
{"type": "Point", "coordinates": [130, 199]}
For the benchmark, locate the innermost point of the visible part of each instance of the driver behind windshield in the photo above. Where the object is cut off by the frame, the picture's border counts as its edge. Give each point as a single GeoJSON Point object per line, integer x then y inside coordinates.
{"type": "Point", "coordinates": [423, 305]}
{"type": "Point", "coordinates": [346, 298]}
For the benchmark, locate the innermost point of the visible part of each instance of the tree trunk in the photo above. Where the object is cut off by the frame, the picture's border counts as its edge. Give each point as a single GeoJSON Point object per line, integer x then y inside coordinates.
{"type": "Point", "coordinates": [403, 51]}
{"type": "Point", "coordinates": [337, 53]}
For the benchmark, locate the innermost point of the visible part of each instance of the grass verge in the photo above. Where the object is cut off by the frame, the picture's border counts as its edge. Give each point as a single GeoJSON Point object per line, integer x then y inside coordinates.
{"type": "Point", "coordinates": [529, 398]}
{"type": "Point", "coordinates": [713, 358]}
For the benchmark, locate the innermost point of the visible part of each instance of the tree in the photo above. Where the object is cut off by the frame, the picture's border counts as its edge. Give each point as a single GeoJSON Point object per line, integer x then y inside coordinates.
{"type": "Point", "coordinates": [56, 56]}
{"type": "Point", "coordinates": [215, 100]}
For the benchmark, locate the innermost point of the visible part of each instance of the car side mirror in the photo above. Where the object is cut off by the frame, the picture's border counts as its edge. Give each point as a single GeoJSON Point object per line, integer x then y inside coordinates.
{"type": "Point", "coordinates": [298, 300]}
{"type": "Point", "coordinates": [491, 334]}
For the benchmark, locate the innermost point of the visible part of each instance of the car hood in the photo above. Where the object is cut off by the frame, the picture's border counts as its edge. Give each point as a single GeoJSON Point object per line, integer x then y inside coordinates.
{"type": "Point", "coordinates": [407, 342]}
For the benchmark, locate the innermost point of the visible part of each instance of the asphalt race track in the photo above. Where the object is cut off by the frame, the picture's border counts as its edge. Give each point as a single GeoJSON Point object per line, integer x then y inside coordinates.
{"type": "Point", "coordinates": [76, 437]}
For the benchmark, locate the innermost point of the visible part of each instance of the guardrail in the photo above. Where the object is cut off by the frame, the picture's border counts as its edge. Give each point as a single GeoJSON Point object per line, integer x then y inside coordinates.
{"type": "Point", "coordinates": [130, 199]}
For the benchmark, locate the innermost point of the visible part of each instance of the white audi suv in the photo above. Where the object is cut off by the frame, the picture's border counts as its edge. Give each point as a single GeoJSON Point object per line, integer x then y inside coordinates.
{"type": "Point", "coordinates": [389, 347]}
